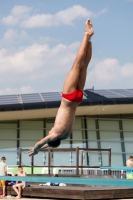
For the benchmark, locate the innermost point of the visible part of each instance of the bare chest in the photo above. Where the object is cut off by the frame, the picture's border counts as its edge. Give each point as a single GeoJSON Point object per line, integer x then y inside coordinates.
{"type": "Point", "coordinates": [64, 123]}
{"type": "Point", "coordinates": [21, 174]}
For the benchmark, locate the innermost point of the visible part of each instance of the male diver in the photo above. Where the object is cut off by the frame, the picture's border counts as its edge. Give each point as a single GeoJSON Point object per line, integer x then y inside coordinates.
{"type": "Point", "coordinates": [72, 95]}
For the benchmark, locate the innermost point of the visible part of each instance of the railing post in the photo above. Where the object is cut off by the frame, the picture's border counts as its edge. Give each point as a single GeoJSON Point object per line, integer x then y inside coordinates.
{"type": "Point", "coordinates": [82, 162]}
{"type": "Point", "coordinates": [32, 164]}
{"type": "Point", "coordinates": [20, 156]}
{"type": "Point", "coordinates": [77, 160]}
{"type": "Point", "coordinates": [49, 160]}
{"type": "Point", "coordinates": [109, 159]}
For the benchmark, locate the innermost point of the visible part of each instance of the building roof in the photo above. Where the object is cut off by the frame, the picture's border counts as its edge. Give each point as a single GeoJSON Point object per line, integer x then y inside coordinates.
{"type": "Point", "coordinates": [52, 99]}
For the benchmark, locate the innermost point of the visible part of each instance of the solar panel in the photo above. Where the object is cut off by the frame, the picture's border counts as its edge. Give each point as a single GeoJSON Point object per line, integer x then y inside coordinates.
{"type": "Point", "coordinates": [107, 93]}
{"type": "Point", "coordinates": [131, 90]}
{"type": "Point", "coordinates": [115, 93]}
{"type": "Point", "coordinates": [8, 99]}
{"type": "Point", "coordinates": [31, 98]}
{"type": "Point", "coordinates": [54, 96]}
{"type": "Point", "coordinates": [123, 93]}
{"type": "Point", "coordinates": [51, 96]}
{"type": "Point", "coordinates": [84, 97]}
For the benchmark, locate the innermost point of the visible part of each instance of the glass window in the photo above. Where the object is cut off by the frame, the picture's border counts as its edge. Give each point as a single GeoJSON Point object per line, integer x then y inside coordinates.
{"type": "Point", "coordinates": [110, 137]}
{"type": "Point", "coordinates": [128, 136]}
{"type": "Point", "coordinates": [92, 142]}
{"type": "Point", "coordinates": [77, 137]}
{"type": "Point", "coordinates": [8, 142]}
{"type": "Point", "coordinates": [30, 133]}
{"type": "Point", "coordinates": [77, 134]}
{"type": "Point", "coordinates": [49, 125]}
{"type": "Point", "coordinates": [59, 158]}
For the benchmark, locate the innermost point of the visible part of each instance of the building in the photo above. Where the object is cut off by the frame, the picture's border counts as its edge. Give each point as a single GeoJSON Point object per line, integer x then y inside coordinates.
{"type": "Point", "coordinates": [103, 119]}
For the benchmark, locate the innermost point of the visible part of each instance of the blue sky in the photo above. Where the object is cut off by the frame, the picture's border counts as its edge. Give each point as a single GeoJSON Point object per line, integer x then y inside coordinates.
{"type": "Point", "coordinates": [39, 41]}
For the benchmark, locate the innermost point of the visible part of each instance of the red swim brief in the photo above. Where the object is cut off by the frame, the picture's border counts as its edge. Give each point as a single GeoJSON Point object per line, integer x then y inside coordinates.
{"type": "Point", "coordinates": [75, 96]}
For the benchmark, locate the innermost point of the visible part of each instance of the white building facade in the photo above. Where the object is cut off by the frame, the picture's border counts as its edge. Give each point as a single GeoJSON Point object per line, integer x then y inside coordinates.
{"type": "Point", "coordinates": [104, 119]}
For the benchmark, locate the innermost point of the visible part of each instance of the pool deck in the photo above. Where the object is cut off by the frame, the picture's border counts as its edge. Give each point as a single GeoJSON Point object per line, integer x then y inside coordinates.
{"type": "Point", "coordinates": [74, 192]}
{"type": "Point", "coordinates": [31, 198]}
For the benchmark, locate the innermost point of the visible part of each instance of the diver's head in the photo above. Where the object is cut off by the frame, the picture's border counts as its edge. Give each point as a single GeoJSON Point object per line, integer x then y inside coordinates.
{"type": "Point", "coordinates": [54, 143]}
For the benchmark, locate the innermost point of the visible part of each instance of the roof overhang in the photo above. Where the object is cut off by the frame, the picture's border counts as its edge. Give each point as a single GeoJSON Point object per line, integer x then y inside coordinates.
{"type": "Point", "coordinates": [45, 105]}
{"type": "Point", "coordinates": [81, 110]}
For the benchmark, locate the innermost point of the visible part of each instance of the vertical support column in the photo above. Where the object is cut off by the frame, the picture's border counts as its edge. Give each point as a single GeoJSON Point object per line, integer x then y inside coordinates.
{"type": "Point", "coordinates": [18, 141]}
{"type": "Point", "coordinates": [98, 140]}
{"type": "Point", "coordinates": [20, 156]}
{"type": "Point", "coordinates": [44, 134]}
{"type": "Point", "coordinates": [71, 143]}
{"type": "Point", "coordinates": [71, 158]}
{"type": "Point", "coordinates": [32, 164]}
{"type": "Point", "coordinates": [109, 160]}
{"type": "Point", "coordinates": [81, 162]}
{"type": "Point", "coordinates": [71, 153]}
{"type": "Point", "coordinates": [77, 160]}
{"type": "Point", "coordinates": [86, 138]}
{"type": "Point", "coordinates": [52, 161]}
{"type": "Point", "coordinates": [44, 127]}
{"type": "Point", "coordinates": [49, 160]}
{"type": "Point", "coordinates": [122, 141]}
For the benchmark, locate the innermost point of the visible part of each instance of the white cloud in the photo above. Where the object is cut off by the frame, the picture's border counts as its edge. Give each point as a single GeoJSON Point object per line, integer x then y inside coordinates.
{"type": "Point", "coordinates": [109, 73]}
{"type": "Point", "coordinates": [20, 10]}
{"type": "Point", "coordinates": [67, 16]}
{"type": "Point", "coordinates": [22, 90]}
{"type": "Point", "coordinates": [62, 17]}
{"type": "Point", "coordinates": [12, 35]}
{"type": "Point", "coordinates": [20, 16]}
{"type": "Point", "coordinates": [101, 12]}
{"type": "Point", "coordinates": [10, 20]}
{"type": "Point", "coordinates": [46, 39]}
{"type": "Point", "coordinates": [18, 13]}
{"type": "Point", "coordinates": [40, 20]}
{"type": "Point", "coordinates": [39, 62]}
{"type": "Point", "coordinates": [35, 62]}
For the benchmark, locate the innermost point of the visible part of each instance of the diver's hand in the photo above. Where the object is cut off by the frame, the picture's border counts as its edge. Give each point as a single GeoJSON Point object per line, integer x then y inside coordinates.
{"type": "Point", "coordinates": [32, 151]}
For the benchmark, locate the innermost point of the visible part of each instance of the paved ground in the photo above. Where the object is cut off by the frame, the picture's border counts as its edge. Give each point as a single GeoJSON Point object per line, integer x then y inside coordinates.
{"type": "Point", "coordinates": [13, 198]}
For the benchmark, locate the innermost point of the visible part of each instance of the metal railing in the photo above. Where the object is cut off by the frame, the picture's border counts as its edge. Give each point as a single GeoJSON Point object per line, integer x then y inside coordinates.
{"type": "Point", "coordinates": [77, 150]}
{"type": "Point", "coordinates": [93, 171]}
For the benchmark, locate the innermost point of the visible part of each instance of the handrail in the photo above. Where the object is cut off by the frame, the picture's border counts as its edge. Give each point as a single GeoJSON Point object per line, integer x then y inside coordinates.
{"type": "Point", "coordinates": [77, 150]}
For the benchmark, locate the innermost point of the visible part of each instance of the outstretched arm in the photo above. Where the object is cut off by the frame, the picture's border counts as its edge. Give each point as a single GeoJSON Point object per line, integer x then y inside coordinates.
{"type": "Point", "coordinates": [42, 148]}
{"type": "Point", "coordinates": [42, 143]}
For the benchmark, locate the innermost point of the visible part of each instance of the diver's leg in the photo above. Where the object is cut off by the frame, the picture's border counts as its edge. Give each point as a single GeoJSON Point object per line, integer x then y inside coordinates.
{"type": "Point", "coordinates": [72, 79]}
{"type": "Point", "coordinates": [83, 72]}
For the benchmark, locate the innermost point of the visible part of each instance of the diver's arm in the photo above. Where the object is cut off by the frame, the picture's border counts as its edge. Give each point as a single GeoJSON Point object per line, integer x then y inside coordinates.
{"type": "Point", "coordinates": [42, 143]}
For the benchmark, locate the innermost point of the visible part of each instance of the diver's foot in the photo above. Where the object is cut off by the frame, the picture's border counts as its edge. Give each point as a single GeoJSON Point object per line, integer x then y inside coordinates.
{"type": "Point", "coordinates": [88, 27]}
